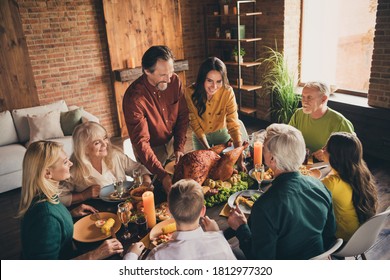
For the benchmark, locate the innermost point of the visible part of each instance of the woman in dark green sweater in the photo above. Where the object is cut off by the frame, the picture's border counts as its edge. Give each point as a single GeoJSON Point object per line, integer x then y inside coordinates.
{"type": "Point", "coordinates": [47, 225]}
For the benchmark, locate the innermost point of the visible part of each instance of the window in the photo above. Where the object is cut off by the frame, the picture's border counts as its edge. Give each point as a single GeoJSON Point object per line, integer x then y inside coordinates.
{"type": "Point", "coordinates": [337, 42]}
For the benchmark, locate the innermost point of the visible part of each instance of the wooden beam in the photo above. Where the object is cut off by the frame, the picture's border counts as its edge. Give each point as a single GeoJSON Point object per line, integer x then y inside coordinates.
{"type": "Point", "coordinates": [127, 75]}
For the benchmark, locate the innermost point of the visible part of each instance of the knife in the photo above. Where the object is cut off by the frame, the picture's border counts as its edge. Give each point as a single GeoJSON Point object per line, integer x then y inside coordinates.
{"type": "Point", "coordinates": [319, 167]}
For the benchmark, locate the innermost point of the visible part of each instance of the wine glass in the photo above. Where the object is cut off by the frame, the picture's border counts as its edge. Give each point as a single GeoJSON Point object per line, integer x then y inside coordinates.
{"type": "Point", "coordinates": [137, 177]}
{"type": "Point", "coordinates": [142, 226]}
{"type": "Point", "coordinates": [259, 175]}
{"type": "Point", "coordinates": [119, 186]}
{"type": "Point", "coordinates": [124, 215]}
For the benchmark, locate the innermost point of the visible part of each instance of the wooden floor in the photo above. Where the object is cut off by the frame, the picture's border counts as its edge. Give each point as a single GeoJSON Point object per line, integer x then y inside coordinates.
{"type": "Point", "coordinates": [10, 247]}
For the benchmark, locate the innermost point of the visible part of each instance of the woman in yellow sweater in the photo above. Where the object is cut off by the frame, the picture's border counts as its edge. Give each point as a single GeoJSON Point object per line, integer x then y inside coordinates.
{"type": "Point", "coordinates": [213, 108]}
{"type": "Point", "coordinates": [350, 182]}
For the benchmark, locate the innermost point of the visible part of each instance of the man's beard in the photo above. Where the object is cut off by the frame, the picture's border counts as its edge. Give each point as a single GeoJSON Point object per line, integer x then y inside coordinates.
{"type": "Point", "coordinates": [161, 86]}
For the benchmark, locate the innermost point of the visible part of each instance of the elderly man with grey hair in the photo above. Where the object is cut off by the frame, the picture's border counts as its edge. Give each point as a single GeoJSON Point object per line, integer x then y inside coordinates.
{"type": "Point", "coordinates": [316, 120]}
{"type": "Point", "coordinates": [294, 219]}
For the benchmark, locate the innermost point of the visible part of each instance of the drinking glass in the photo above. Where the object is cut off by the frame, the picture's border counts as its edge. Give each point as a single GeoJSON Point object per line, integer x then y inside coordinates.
{"type": "Point", "coordinates": [259, 175]}
{"type": "Point", "coordinates": [246, 153]}
{"type": "Point", "coordinates": [142, 226]}
{"type": "Point", "coordinates": [124, 215]}
{"type": "Point", "coordinates": [258, 140]}
{"type": "Point", "coordinates": [137, 177]}
{"type": "Point", "coordinates": [119, 186]}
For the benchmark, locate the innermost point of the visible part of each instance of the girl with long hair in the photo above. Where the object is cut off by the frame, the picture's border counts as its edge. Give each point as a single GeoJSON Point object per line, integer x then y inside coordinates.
{"type": "Point", "coordinates": [350, 182]}
{"type": "Point", "coordinates": [213, 108]}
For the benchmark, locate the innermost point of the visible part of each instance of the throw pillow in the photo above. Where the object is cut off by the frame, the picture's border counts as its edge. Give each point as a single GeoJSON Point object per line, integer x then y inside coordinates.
{"type": "Point", "coordinates": [8, 132]}
{"type": "Point", "coordinates": [69, 120]}
{"type": "Point", "coordinates": [46, 126]}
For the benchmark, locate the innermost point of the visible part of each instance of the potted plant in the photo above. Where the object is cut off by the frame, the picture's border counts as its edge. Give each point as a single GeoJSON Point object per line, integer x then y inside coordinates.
{"type": "Point", "coordinates": [238, 56]}
{"type": "Point", "coordinates": [278, 81]}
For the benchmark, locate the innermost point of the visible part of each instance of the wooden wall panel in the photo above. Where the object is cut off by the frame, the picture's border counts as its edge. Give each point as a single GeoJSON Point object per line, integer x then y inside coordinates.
{"type": "Point", "coordinates": [17, 85]}
{"type": "Point", "coordinates": [134, 26]}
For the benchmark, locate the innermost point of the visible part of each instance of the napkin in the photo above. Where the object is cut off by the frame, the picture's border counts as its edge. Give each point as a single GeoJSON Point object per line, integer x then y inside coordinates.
{"type": "Point", "coordinates": [146, 241]}
{"type": "Point", "coordinates": [225, 211]}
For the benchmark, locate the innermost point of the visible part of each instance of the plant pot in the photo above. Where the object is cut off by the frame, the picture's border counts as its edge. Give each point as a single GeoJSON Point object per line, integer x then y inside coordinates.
{"type": "Point", "coordinates": [236, 58]}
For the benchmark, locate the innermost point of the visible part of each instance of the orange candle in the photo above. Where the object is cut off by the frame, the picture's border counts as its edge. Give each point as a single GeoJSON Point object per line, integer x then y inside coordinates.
{"type": "Point", "coordinates": [257, 153]}
{"type": "Point", "coordinates": [149, 209]}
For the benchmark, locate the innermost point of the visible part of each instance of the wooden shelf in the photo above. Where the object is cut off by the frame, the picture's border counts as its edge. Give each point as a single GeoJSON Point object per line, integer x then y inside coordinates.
{"type": "Point", "coordinates": [128, 75]}
{"type": "Point", "coordinates": [247, 40]}
{"type": "Point", "coordinates": [247, 87]}
{"type": "Point", "coordinates": [244, 64]}
{"type": "Point", "coordinates": [241, 15]}
{"type": "Point", "coordinates": [247, 110]}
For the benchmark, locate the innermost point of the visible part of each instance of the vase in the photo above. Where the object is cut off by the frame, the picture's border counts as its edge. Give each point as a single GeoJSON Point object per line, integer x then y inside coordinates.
{"type": "Point", "coordinates": [225, 9]}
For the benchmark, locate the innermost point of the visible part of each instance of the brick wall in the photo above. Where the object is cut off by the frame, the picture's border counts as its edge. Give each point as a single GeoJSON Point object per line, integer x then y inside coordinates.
{"type": "Point", "coordinates": [379, 90]}
{"type": "Point", "coordinates": [68, 51]}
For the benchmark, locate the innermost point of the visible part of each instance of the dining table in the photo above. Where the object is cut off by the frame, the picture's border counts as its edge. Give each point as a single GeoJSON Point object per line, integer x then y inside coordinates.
{"type": "Point", "coordinates": [218, 212]}
{"type": "Point", "coordinates": [111, 207]}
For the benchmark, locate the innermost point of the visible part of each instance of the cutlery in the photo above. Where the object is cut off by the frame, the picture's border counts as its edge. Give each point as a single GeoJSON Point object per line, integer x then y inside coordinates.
{"type": "Point", "coordinates": [96, 216]}
{"type": "Point", "coordinates": [319, 167]}
{"type": "Point", "coordinates": [144, 252]}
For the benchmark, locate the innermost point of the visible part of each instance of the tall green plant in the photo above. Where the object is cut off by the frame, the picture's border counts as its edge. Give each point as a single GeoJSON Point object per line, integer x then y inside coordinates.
{"type": "Point", "coordinates": [280, 83]}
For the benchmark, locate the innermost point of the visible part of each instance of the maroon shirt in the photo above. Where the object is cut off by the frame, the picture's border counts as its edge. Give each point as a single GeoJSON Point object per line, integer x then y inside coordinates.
{"type": "Point", "coordinates": [153, 117]}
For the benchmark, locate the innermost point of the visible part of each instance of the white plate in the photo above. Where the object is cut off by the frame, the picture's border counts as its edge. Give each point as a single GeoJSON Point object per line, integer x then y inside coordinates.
{"type": "Point", "coordinates": [107, 190]}
{"type": "Point", "coordinates": [244, 209]}
{"type": "Point", "coordinates": [254, 178]}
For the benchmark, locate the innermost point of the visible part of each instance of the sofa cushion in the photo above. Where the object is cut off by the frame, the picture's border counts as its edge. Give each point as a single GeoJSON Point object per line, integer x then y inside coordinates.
{"type": "Point", "coordinates": [11, 158]}
{"type": "Point", "coordinates": [45, 126]}
{"type": "Point", "coordinates": [20, 117]}
{"type": "Point", "coordinates": [69, 120]}
{"type": "Point", "coordinates": [8, 133]}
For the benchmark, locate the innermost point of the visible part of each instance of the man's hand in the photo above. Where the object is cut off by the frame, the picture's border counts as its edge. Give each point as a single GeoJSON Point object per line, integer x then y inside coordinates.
{"type": "Point", "coordinates": [236, 218]}
{"type": "Point", "coordinates": [167, 183]}
{"type": "Point", "coordinates": [178, 155]}
{"type": "Point", "coordinates": [136, 248]}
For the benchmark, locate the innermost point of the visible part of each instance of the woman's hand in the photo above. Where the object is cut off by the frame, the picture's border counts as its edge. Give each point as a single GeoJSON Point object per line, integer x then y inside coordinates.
{"type": "Point", "coordinates": [236, 218]}
{"type": "Point", "coordinates": [241, 164]}
{"type": "Point", "coordinates": [83, 210]}
{"type": "Point", "coordinates": [91, 192]}
{"type": "Point", "coordinates": [208, 224]}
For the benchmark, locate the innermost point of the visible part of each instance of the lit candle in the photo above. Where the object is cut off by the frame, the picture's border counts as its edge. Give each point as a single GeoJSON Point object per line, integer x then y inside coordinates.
{"type": "Point", "coordinates": [257, 153]}
{"type": "Point", "coordinates": [149, 209]}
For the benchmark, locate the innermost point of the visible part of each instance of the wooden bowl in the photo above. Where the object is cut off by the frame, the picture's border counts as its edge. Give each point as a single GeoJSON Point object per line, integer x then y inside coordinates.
{"type": "Point", "coordinates": [137, 193]}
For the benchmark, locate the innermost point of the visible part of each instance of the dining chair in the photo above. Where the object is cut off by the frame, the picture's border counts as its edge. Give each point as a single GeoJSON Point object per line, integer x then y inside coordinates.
{"type": "Point", "coordinates": [244, 133]}
{"type": "Point", "coordinates": [327, 254]}
{"type": "Point", "coordinates": [364, 237]}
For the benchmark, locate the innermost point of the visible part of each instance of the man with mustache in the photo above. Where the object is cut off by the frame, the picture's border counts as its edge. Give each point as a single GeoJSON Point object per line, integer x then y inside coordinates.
{"type": "Point", "coordinates": [156, 113]}
{"type": "Point", "coordinates": [316, 120]}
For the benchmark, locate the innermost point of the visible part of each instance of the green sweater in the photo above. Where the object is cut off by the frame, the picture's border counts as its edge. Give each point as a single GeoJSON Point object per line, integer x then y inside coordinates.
{"type": "Point", "coordinates": [293, 220]}
{"type": "Point", "coordinates": [46, 232]}
{"type": "Point", "coordinates": [316, 132]}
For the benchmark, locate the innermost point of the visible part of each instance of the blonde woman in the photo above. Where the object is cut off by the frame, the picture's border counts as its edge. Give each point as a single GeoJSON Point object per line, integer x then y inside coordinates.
{"type": "Point", "coordinates": [96, 164]}
{"type": "Point", "coordinates": [47, 226]}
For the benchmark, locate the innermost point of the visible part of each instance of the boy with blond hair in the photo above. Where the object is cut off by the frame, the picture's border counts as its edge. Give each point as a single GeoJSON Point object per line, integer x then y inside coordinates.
{"type": "Point", "coordinates": [197, 237]}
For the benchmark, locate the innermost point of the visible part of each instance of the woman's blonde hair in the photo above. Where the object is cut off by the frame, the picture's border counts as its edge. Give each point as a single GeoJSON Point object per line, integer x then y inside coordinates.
{"type": "Point", "coordinates": [186, 200]}
{"type": "Point", "coordinates": [39, 156]}
{"type": "Point", "coordinates": [287, 146]}
{"type": "Point", "coordinates": [83, 135]}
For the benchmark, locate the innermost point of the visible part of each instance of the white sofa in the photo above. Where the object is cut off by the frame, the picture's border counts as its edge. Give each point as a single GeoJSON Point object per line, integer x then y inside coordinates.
{"type": "Point", "coordinates": [54, 121]}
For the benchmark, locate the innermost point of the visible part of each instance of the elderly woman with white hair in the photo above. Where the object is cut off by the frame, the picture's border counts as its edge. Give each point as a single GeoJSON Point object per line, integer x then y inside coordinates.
{"type": "Point", "coordinates": [294, 219]}
{"type": "Point", "coordinates": [96, 163]}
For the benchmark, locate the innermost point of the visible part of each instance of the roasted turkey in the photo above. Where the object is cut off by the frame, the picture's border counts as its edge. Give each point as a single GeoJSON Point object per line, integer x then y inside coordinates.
{"type": "Point", "coordinates": [202, 164]}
